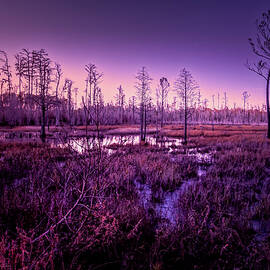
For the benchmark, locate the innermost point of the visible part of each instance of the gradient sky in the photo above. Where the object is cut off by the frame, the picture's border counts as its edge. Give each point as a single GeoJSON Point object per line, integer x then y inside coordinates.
{"type": "Point", "coordinates": [209, 38]}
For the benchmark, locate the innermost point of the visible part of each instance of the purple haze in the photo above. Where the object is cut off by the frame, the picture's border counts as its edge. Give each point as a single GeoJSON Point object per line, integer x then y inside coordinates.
{"type": "Point", "coordinates": [210, 38]}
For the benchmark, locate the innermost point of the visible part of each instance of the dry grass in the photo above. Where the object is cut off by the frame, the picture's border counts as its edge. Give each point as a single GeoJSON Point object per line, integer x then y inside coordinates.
{"type": "Point", "coordinates": [194, 131]}
{"type": "Point", "coordinates": [109, 227]}
{"type": "Point", "coordinates": [219, 130]}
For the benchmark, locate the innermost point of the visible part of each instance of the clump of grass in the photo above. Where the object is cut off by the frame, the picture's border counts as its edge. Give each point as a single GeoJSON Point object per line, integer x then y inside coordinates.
{"type": "Point", "coordinates": [160, 171]}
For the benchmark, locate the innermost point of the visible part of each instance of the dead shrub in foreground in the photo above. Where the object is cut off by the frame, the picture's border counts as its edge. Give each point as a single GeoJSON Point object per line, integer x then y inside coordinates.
{"type": "Point", "coordinates": [67, 215]}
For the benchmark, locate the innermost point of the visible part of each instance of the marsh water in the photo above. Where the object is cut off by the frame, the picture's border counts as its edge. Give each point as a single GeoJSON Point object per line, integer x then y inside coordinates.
{"type": "Point", "coordinates": [160, 203]}
{"type": "Point", "coordinates": [111, 143]}
{"type": "Point", "coordinates": [163, 204]}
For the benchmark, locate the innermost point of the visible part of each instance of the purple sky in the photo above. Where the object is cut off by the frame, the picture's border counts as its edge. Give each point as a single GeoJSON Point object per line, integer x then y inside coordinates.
{"type": "Point", "coordinates": [210, 38]}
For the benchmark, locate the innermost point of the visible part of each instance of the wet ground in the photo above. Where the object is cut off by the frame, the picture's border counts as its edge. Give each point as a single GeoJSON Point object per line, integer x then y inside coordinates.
{"type": "Point", "coordinates": [163, 204]}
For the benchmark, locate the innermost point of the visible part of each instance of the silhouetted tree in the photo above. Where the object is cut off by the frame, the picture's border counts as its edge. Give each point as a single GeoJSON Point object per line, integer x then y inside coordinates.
{"type": "Point", "coordinates": [133, 105]}
{"type": "Point", "coordinates": [245, 96]}
{"type": "Point", "coordinates": [261, 47]}
{"type": "Point", "coordinates": [93, 79]}
{"type": "Point", "coordinates": [43, 70]}
{"type": "Point", "coordinates": [143, 92]}
{"type": "Point", "coordinates": [186, 88]}
{"type": "Point", "coordinates": [58, 75]}
{"type": "Point", "coordinates": [120, 100]}
{"type": "Point", "coordinates": [163, 91]}
{"type": "Point", "coordinates": [5, 70]}
{"type": "Point", "coordinates": [28, 68]}
{"type": "Point", "coordinates": [68, 88]}
{"type": "Point", "coordinates": [19, 66]}
{"type": "Point", "coordinates": [225, 101]}
{"type": "Point", "coordinates": [213, 112]}
{"type": "Point", "coordinates": [93, 102]}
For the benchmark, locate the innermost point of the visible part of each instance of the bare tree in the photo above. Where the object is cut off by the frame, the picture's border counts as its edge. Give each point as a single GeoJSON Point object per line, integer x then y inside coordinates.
{"type": "Point", "coordinates": [186, 88]}
{"type": "Point", "coordinates": [28, 68]}
{"type": "Point", "coordinates": [213, 101]}
{"type": "Point", "coordinates": [245, 97]}
{"type": "Point", "coordinates": [212, 113]}
{"type": "Point", "coordinates": [58, 75]}
{"type": "Point", "coordinates": [133, 105]}
{"type": "Point", "coordinates": [120, 100]}
{"type": "Point", "coordinates": [43, 69]}
{"type": "Point", "coordinates": [5, 70]}
{"type": "Point", "coordinates": [163, 91]}
{"type": "Point", "coordinates": [2, 82]}
{"type": "Point", "coordinates": [157, 110]}
{"type": "Point", "coordinates": [68, 87]}
{"type": "Point", "coordinates": [143, 92]}
{"type": "Point", "coordinates": [93, 102]}
{"type": "Point", "coordinates": [93, 79]}
{"type": "Point", "coordinates": [225, 101]}
{"type": "Point", "coordinates": [261, 47]}
{"type": "Point", "coordinates": [87, 100]}
{"type": "Point", "coordinates": [19, 65]}
{"type": "Point", "coordinates": [76, 90]}
{"type": "Point", "coordinates": [97, 112]}
{"type": "Point", "coordinates": [205, 103]}
{"type": "Point", "coordinates": [199, 98]}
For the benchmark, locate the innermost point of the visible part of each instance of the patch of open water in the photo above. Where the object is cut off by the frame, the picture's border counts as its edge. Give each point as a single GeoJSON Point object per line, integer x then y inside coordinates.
{"type": "Point", "coordinates": [166, 206]}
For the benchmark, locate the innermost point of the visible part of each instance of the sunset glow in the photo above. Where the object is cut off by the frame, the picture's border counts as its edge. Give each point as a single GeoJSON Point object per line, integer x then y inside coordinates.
{"type": "Point", "coordinates": [210, 39]}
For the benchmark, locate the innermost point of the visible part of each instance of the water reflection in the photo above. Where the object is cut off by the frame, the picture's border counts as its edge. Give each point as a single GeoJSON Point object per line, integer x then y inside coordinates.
{"type": "Point", "coordinates": [164, 203]}
{"type": "Point", "coordinates": [166, 207]}
{"type": "Point", "coordinates": [112, 143]}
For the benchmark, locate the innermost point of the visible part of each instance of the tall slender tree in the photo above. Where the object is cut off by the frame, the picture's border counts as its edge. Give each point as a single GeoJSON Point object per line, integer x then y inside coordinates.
{"type": "Point", "coordinates": [68, 89]}
{"type": "Point", "coordinates": [120, 100]}
{"type": "Point", "coordinates": [261, 48]}
{"type": "Point", "coordinates": [163, 91]}
{"type": "Point", "coordinates": [43, 69]}
{"type": "Point", "coordinates": [187, 89]}
{"type": "Point", "coordinates": [58, 75]}
{"type": "Point", "coordinates": [19, 65]}
{"type": "Point", "coordinates": [6, 71]}
{"type": "Point", "coordinates": [245, 96]}
{"type": "Point", "coordinates": [143, 91]}
{"type": "Point", "coordinates": [93, 102]}
{"type": "Point", "coordinates": [93, 79]}
{"type": "Point", "coordinates": [133, 105]}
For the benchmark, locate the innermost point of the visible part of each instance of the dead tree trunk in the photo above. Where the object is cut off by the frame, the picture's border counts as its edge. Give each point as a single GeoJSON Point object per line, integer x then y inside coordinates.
{"type": "Point", "coordinates": [141, 121]}
{"type": "Point", "coordinates": [267, 104]}
{"type": "Point", "coordinates": [43, 123]}
{"type": "Point", "coordinates": [185, 120]}
{"type": "Point", "coordinates": [145, 123]}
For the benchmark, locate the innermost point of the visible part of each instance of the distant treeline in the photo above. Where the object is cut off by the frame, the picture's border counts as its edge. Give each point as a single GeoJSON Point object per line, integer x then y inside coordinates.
{"type": "Point", "coordinates": [34, 92]}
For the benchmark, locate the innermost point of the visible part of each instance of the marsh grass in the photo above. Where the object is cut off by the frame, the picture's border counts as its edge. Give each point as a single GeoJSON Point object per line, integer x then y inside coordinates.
{"type": "Point", "coordinates": [61, 209]}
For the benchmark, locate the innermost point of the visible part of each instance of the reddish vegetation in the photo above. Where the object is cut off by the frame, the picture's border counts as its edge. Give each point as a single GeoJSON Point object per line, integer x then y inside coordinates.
{"type": "Point", "coordinates": [64, 210]}
{"type": "Point", "coordinates": [214, 131]}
